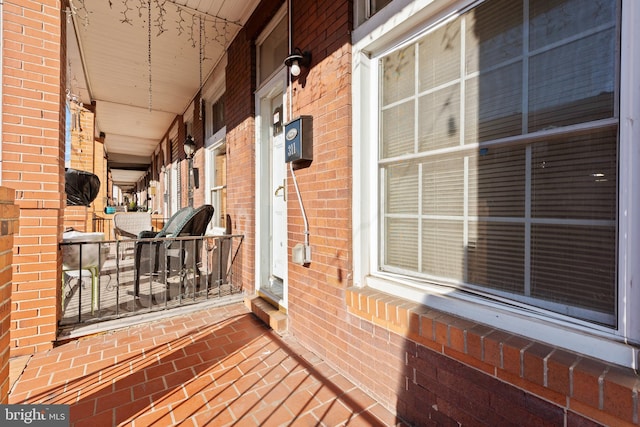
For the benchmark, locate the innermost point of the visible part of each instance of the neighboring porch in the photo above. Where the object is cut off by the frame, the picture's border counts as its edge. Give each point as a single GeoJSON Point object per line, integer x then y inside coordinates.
{"type": "Point", "coordinates": [114, 285]}
{"type": "Point", "coordinates": [220, 366]}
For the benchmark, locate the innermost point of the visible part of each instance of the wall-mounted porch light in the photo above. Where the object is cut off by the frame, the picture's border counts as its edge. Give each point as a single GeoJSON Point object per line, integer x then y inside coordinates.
{"type": "Point", "coordinates": [297, 60]}
{"type": "Point", "coordinates": [189, 150]}
{"type": "Point", "coordinates": [189, 147]}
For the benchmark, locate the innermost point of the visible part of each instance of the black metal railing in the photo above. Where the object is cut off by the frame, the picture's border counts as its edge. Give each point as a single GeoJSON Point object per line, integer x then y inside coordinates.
{"type": "Point", "coordinates": [111, 279]}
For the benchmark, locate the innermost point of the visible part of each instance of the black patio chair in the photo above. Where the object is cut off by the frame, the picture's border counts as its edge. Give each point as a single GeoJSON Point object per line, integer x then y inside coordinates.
{"type": "Point", "coordinates": [177, 255]}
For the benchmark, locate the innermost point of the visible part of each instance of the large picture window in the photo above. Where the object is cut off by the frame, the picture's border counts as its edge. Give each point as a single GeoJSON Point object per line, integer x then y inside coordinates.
{"type": "Point", "coordinates": [498, 155]}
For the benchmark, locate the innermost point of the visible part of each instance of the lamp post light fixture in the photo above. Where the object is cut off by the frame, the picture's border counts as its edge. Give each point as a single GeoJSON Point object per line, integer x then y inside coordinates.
{"type": "Point", "coordinates": [297, 60]}
{"type": "Point", "coordinates": [189, 150]}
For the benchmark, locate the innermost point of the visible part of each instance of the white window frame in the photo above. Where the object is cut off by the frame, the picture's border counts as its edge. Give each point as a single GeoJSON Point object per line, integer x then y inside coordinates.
{"type": "Point", "coordinates": [380, 35]}
{"type": "Point", "coordinates": [173, 186]}
{"type": "Point", "coordinates": [211, 187]}
{"type": "Point", "coordinates": [279, 16]}
{"type": "Point", "coordinates": [213, 142]}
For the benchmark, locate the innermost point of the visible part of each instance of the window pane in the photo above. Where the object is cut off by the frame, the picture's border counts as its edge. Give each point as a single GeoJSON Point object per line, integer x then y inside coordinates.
{"type": "Point", "coordinates": [397, 130]}
{"type": "Point", "coordinates": [439, 54]}
{"type": "Point", "coordinates": [401, 247]}
{"type": "Point", "coordinates": [221, 186]}
{"type": "Point", "coordinates": [574, 265]}
{"type": "Point", "coordinates": [495, 256]}
{"type": "Point", "coordinates": [493, 104]}
{"type": "Point", "coordinates": [493, 34]}
{"type": "Point", "coordinates": [398, 71]}
{"type": "Point", "coordinates": [402, 189]}
{"type": "Point", "coordinates": [443, 186]}
{"type": "Point", "coordinates": [579, 89]}
{"type": "Point", "coordinates": [497, 182]}
{"type": "Point", "coordinates": [443, 249]}
{"type": "Point", "coordinates": [377, 5]}
{"type": "Point", "coordinates": [556, 20]}
{"type": "Point", "coordinates": [439, 122]}
{"type": "Point", "coordinates": [575, 177]}
{"type": "Point", "coordinates": [217, 116]}
{"type": "Point", "coordinates": [273, 50]}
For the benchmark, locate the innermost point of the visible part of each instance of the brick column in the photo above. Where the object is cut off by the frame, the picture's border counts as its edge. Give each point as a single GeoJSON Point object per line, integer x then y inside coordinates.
{"type": "Point", "coordinates": [9, 214]}
{"type": "Point", "coordinates": [33, 99]}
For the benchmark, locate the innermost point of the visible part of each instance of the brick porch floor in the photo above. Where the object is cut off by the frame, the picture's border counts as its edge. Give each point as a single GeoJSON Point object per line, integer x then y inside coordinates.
{"type": "Point", "coordinates": [216, 367]}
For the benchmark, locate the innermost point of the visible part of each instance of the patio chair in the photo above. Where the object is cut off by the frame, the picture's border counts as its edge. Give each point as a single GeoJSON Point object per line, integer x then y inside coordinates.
{"type": "Point", "coordinates": [150, 254]}
{"type": "Point", "coordinates": [143, 262]}
{"type": "Point", "coordinates": [128, 225]}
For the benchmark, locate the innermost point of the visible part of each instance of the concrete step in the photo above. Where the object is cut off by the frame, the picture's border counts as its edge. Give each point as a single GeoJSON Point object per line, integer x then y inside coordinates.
{"type": "Point", "coordinates": [269, 314]}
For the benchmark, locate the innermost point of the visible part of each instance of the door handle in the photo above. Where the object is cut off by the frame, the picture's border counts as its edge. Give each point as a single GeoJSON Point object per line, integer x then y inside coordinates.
{"type": "Point", "coordinates": [284, 191]}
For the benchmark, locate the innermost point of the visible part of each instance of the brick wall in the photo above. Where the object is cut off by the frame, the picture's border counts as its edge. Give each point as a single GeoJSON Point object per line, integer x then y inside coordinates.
{"type": "Point", "coordinates": [9, 214]}
{"type": "Point", "coordinates": [239, 117]}
{"type": "Point", "coordinates": [316, 292]}
{"type": "Point", "coordinates": [77, 217]}
{"type": "Point", "coordinates": [33, 162]}
{"type": "Point", "coordinates": [432, 366]}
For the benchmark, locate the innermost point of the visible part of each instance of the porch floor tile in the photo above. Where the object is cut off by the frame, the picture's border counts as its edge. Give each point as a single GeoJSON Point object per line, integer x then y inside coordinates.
{"type": "Point", "coordinates": [220, 367]}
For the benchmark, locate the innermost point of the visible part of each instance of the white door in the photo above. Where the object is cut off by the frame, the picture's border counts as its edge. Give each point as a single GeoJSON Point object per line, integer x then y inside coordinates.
{"type": "Point", "coordinates": [278, 215]}
{"type": "Point", "coordinates": [271, 203]}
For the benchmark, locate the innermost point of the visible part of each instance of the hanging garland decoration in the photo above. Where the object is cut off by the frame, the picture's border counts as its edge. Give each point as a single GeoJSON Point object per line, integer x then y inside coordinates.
{"type": "Point", "coordinates": [161, 16]}
{"type": "Point", "coordinates": [80, 11]}
{"type": "Point", "coordinates": [200, 59]}
{"type": "Point", "coordinates": [201, 50]}
{"type": "Point", "coordinates": [198, 22]}
{"type": "Point", "coordinates": [127, 9]}
{"type": "Point", "coordinates": [221, 27]}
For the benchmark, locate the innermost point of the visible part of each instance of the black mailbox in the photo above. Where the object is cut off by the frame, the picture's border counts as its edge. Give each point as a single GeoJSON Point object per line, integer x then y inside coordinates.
{"type": "Point", "coordinates": [298, 140]}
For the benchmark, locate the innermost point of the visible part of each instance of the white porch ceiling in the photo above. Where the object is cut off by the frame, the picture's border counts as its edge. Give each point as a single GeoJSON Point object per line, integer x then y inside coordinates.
{"type": "Point", "coordinates": [108, 64]}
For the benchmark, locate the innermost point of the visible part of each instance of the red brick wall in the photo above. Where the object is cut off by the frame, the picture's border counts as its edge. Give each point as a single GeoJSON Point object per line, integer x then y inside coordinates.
{"type": "Point", "coordinates": [9, 214]}
{"type": "Point", "coordinates": [317, 292]}
{"type": "Point", "coordinates": [77, 217]}
{"type": "Point", "coordinates": [431, 366]}
{"type": "Point", "coordinates": [33, 162]}
{"type": "Point", "coordinates": [240, 122]}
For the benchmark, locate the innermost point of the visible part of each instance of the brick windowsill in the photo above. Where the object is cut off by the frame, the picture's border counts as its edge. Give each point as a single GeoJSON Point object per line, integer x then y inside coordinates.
{"type": "Point", "coordinates": [604, 392]}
